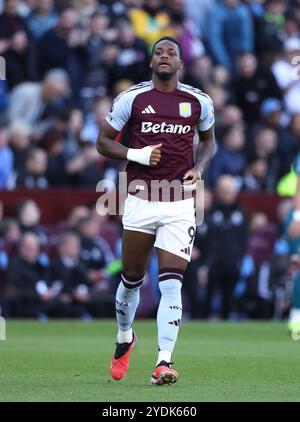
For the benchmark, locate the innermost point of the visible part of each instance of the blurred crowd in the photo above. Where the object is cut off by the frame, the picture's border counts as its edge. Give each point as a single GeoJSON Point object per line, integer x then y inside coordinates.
{"type": "Point", "coordinates": [66, 61]}
{"type": "Point", "coordinates": [63, 270]}
{"type": "Point", "coordinates": [240, 267]}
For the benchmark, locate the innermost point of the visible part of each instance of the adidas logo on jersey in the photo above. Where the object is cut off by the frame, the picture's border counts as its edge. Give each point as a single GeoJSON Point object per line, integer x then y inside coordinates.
{"type": "Point", "coordinates": [148, 110]}
{"type": "Point", "coordinates": [148, 127]}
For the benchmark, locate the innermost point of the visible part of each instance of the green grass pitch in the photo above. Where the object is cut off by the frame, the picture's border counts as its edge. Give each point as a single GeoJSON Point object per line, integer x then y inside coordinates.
{"type": "Point", "coordinates": [68, 361]}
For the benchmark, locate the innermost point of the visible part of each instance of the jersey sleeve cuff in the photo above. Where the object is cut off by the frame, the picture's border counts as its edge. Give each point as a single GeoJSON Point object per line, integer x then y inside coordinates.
{"type": "Point", "coordinates": [114, 125]}
{"type": "Point", "coordinates": [205, 127]}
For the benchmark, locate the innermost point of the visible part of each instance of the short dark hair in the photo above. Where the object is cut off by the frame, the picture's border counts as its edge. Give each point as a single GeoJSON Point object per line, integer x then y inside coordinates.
{"type": "Point", "coordinates": [171, 39]}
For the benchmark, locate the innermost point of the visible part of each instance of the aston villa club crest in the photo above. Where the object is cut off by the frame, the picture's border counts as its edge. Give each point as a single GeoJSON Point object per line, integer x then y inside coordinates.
{"type": "Point", "coordinates": [185, 109]}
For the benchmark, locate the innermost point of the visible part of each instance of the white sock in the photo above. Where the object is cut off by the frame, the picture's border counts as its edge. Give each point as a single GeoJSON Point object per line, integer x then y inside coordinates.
{"type": "Point", "coordinates": [169, 310]}
{"type": "Point", "coordinates": [164, 355]}
{"type": "Point", "coordinates": [125, 336]}
{"type": "Point", "coordinates": [127, 300]}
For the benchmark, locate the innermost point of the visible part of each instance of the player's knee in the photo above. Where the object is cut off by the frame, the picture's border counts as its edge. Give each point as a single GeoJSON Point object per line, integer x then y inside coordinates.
{"type": "Point", "coordinates": [132, 279]}
{"type": "Point", "coordinates": [133, 274]}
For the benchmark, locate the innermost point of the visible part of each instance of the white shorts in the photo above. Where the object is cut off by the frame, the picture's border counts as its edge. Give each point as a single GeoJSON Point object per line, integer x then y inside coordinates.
{"type": "Point", "coordinates": [173, 223]}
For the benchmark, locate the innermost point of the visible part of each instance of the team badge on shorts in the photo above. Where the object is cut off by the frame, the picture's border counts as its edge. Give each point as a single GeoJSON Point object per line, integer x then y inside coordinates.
{"type": "Point", "coordinates": [185, 109]}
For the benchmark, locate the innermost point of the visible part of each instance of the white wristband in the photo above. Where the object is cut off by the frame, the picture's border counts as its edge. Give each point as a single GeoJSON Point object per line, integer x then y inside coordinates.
{"type": "Point", "coordinates": [141, 156]}
{"type": "Point", "coordinates": [296, 215]}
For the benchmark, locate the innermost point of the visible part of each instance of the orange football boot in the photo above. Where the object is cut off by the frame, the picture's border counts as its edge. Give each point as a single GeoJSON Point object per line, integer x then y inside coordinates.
{"type": "Point", "coordinates": [120, 361]}
{"type": "Point", "coordinates": [163, 374]}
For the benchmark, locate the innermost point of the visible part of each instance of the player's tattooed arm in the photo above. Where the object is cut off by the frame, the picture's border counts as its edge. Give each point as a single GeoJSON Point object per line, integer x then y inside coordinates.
{"type": "Point", "coordinates": [204, 154]}
{"type": "Point", "coordinates": [107, 146]}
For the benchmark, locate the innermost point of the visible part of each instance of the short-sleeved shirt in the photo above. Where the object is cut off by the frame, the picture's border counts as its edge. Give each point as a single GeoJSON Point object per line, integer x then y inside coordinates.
{"type": "Point", "coordinates": [152, 117]}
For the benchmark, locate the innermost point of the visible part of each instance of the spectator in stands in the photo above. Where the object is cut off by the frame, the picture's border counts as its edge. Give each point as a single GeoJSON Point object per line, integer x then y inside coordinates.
{"type": "Point", "coordinates": [24, 274]}
{"type": "Point", "coordinates": [10, 232]}
{"type": "Point", "coordinates": [32, 101]}
{"type": "Point", "coordinates": [151, 21]}
{"type": "Point", "coordinates": [231, 116]}
{"type": "Point", "coordinates": [96, 77]}
{"type": "Point", "coordinates": [197, 10]}
{"type": "Point", "coordinates": [184, 31]}
{"type": "Point", "coordinates": [76, 214]}
{"type": "Point", "coordinates": [96, 253]}
{"type": "Point", "coordinates": [33, 176]}
{"type": "Point", "coordinates": [96, 119]}
{"type": "Point", "coordinates": [63, 47]}
{"type": "Point", "coordinates": [56, 173]}
{"type": "Point", "coordinates": [229, 158]}
{"type": "Point", "coordinates": [68, 270]}
{"type": "Point", "coordinates": [252, 86]}
{"type": "Point", "coordinates": [102, 268]}
{"type": "Point", "coordinates": [199, 73]}
{"type": "Point", "coordinates": [28, 216]}
{"type": "Point", "coordinates": [133, 59]}
{"type": "Point", "coordinates": [225, 246]}
{"type": "Point", "coordinates": [6, 157]}
{"type": "Point", "coordinates": [20, 141]}
{"type": "Point", "coordinates": [86, 9]}
{"type": "Point", "coordinates": [256, 296]}
{"type": "Point", "coordinates": [269, 26]}
{"type": "Point", "coordinates": [195, 278]}
{"type": "Point", "coordinates": [271, 113]}
{"type": "Point", "coordinates": [15, 45]}
{"type": "Point", "coordinates": [30, 292]}
{"type": "Point", "coordinates": [272, 117]}
{"type": "Point", "coordinates": [99, 28]}
{"type": "Point", "coordinates": [219, 98]}
{"type": "Point", "coordinates": [72, 133]}
{"type": "Point", "coordinates": [42, 18]}
{"type": "Point", "coordinates": [69, 122]}
{"type": "Point", "coordinates": [229, 32]}
{"type": "Point", "coordinates": [265, 147]}
{"type": "Point", "coordinates": [255, 177]}
{"type": "Point", "coordinates": [88, 168]}
{"type": "Point", "coordinates": [291, 26]}
{"type": "Point", "coordinates": [284, 70]}
{"type": "Point", "coordinates": [102, 51]}
{"type": "Point", "coordinates": [221, 77]}
{"type": "Point", "coordinates": [102, 76]}
{"type": "Point", "coordinates": [294, 7]}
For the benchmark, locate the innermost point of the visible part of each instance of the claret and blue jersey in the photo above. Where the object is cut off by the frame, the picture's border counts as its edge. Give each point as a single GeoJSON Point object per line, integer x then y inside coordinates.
{"type": "Point", "coordinates": [154, 117]}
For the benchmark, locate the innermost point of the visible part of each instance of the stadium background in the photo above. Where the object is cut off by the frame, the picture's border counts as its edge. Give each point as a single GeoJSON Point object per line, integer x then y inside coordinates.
{"type": "Point", "coordinates": [65, 62]}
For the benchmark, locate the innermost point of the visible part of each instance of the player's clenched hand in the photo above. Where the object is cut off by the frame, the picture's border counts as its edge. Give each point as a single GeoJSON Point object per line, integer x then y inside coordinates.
{"type": "Point", "coordinates": [191, 176]}
{"type": "Point", "coordinates": [155, 155]}
{"type": "Point", "coordinates": [147, 156]}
